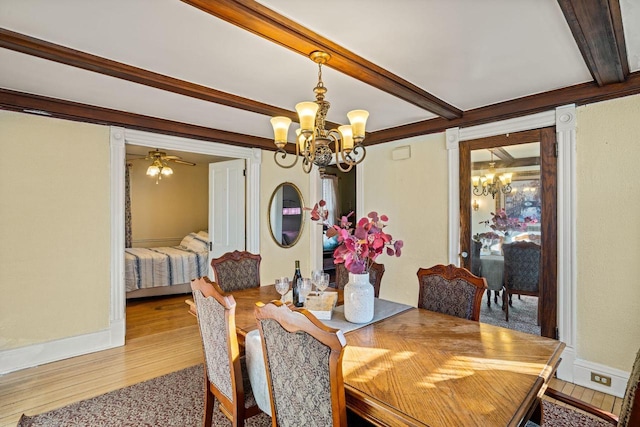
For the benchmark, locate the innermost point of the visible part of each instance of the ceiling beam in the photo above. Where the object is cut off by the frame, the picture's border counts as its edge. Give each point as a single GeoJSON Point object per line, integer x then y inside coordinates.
{"type": "Point", "coordinates": [67, 56]}
{"type": "Point", "coordinates": [64, 55]}
{"type": "Point", "coordinates": [525, 161]}
{"type": "Point", "coordinates": [501, 153]}
{"type": "Point", "coordinates": [57, 108]}
{"type": "Point", "coordinates": [581, 94]}
{"type": "Point", "coordinates": [266, 23]}
{"type": "Point", "coordinates": [596, 26]}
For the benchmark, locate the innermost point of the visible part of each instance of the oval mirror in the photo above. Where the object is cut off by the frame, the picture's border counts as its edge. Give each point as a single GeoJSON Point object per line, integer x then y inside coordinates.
{"type": "Point", "coordinates": [286, 216]}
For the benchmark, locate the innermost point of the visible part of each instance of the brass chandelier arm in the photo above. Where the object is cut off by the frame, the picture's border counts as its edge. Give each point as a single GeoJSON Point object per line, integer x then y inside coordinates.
{"type": "Point", "coordinates": [282, 151]}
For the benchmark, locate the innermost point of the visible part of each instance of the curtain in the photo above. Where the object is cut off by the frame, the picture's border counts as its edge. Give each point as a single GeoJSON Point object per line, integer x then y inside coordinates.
{"type": "Point", "coordinates": [127, 206]}
{"type": "Point", "coordinates": [330, 195]}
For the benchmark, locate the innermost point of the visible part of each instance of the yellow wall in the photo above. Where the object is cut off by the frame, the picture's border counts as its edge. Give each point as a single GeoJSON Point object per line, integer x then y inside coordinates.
{"type": "Point", "coordinates": [413, 193]}
{"type": "Point", "coordinates": [162, 214]}
{"type": "Point", "coordinates": [55, 228]}
{"type": "Point", "coordinates": [608, 232]}
{"type": "Point", "coordinates": [277, 261]}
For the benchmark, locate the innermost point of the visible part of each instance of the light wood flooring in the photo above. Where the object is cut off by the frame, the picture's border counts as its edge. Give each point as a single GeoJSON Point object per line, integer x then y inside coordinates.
{"type": "Point", "coordinates": [161, 338]}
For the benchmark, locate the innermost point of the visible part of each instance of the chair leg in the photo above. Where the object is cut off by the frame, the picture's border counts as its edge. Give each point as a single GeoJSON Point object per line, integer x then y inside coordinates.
{"type": "Point", "coordinates": [505, 305]}
{"type": "Point", "coordinates": [496, 294]}
{"type": "Point", "coordinates": [209, 400]}
{"type": "Point", "coordinates": [489, 297]}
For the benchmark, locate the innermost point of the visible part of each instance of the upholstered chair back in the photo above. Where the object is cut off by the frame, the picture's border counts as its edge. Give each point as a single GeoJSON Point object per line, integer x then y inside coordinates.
{"type": "Point", "coordinates": [375, 276]}
{"type": "Point", "coordinates": [237, 270]}
{"type": "Point", "coordinates": [303, 358]}
{"type": "Point", "coordinates": [224, 368]}
{"type": "Point", "coordinates": [630, 411]}
{"type": "Point", "coordinates": [522, 267]}
{"type": "Point", "coordinates": [451, 290]}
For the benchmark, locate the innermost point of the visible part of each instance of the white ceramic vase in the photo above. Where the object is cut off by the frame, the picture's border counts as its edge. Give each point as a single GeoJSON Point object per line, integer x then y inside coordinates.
{"type": "Point", "coordinates": [358, 299]}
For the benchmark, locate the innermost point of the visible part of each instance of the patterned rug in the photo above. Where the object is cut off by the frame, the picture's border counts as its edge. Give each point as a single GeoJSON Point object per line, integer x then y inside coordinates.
{"type": "Point", "coordinates": [522, 314]}
{"type": "Point", "coordinates": [559, 416]}
{"type": "Point", "coordinates": [176, 399]}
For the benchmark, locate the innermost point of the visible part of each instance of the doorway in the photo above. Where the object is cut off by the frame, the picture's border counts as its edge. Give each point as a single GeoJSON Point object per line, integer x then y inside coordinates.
{"type": "Point", "coordinates": [531, 157]}
{"type": "Point", "coordinates": [118, 138]}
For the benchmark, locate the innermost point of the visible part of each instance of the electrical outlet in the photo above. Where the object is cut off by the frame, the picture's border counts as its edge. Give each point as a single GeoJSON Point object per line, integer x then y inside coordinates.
{"type": "Point", "coordinates": [601, 379]}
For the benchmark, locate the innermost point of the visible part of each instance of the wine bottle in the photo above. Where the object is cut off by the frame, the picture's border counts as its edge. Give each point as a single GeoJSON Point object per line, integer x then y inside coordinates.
{"type": "Point", "coordinates": [294, 286]}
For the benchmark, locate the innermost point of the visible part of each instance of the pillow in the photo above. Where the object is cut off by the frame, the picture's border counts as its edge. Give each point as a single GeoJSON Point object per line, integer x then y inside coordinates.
{"type": "Point", "coordinates": [187, 240]}
{"type": "Point", "coordinates": [195, 243]}
{"type": "Point", "coordinates": [204, 235]}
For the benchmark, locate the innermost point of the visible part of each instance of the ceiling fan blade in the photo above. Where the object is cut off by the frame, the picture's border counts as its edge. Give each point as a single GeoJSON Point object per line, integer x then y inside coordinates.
{"type": "Point", "coordinates": [171, 157]}
{"type": "Point", "coordinates": [182, 162]}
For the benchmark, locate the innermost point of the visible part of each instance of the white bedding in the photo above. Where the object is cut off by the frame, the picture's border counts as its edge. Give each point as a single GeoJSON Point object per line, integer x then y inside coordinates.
{"type": "Point", "coordinates": [162, 266]}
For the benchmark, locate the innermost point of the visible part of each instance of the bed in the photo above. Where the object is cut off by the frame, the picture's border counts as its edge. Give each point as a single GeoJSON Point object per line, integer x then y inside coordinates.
{"type": "Point", "coordinates": [166, 270]}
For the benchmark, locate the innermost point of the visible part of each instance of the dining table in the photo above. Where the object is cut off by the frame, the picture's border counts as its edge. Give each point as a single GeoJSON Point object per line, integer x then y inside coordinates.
{"type": "Point", "coordinates": [421, 368]}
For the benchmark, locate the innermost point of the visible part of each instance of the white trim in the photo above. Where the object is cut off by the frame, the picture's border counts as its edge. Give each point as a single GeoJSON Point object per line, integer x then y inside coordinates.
{"type": "Point", "coordinates": [582, 377]}
{"type": "Point", "coordinates": [452, 144]}
{"type": "Point", "coordinates": [39, 354]}
{"type": "Point", "coordinates": [564, 120]}
{"type": "Point", "coordinates": [566, 218]}
{"type": "Point", "coordinates": [533, 121]}
{"type": "Point", "coordinates": [253, 167]}
{"type": "Point", "coordinates": [315, 233]}
{"type": "Point", "coordinates": [117, 184]}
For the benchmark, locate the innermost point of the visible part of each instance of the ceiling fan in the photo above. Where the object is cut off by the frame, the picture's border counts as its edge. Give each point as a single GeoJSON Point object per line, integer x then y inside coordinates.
{"type": "Point", "coordinates": [159, 164]}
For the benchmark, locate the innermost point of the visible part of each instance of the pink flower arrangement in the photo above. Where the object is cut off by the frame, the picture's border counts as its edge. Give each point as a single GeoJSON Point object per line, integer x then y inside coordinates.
{"type": "Point", "coordinates": [359, 247]}
{"type": "Point", "coordinates": [502, 223]}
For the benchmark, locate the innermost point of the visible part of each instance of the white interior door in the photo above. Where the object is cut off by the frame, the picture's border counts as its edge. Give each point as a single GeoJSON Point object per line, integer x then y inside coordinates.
{"type": "Point", "coordinates": [226, 208]}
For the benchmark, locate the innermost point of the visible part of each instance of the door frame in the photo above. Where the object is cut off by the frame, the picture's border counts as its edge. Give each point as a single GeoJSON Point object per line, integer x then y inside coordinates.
{"type": "Point", "coordinates": [546, 139]}
{"type": "Point", "coordinates": [118, 138]}
{"type": "Point", "coordinates": [564, 119]}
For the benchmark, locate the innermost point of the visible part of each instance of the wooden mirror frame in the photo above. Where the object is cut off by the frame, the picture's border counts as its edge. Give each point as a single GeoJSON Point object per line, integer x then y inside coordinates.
{"type": "Point", "coordinates": [279, 242]}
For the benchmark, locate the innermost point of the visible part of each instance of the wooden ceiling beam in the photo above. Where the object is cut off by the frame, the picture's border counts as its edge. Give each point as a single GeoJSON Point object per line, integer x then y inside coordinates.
{"type": "Point", "coordinates": [501, 153]}
{"type": "Point", "coordinates": [596, 26]}
{"type": "Point", "coordinates": [57, 108]}
{"type": "Point", "coordinates": [64, 55]}
{"type": "Point", "coordinates": [264, 22]}
{"type": "Point", "coordinates": [581, 94]}
{"type": "Point", "coordinates": [67, 56]}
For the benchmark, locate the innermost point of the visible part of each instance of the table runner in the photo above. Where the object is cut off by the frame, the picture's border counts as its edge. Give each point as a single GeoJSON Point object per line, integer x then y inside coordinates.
{"type": "Point", "coordinates": [255, 358]}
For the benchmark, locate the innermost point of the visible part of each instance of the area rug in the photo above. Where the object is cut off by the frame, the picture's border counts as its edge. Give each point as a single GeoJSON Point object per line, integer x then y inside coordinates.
{"type": "Point", "coordinates": [559, 416]}
{"type": "Point", "coordinates": [176, 399]}
{"type": "Point", "coordinates": [523, 314]}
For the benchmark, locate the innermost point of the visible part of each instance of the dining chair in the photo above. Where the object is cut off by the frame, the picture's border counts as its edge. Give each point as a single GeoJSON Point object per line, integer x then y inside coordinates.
{"type": "Point", "coordinates": [375, 276]}
{"type": "Point", "coordinates": [237, 270]}
{"type": "Point", "coordinates": [629, 412]}
{"type": "Point", "coordinates": [451, 290]}
{"type": "Point", "coordinates": [224, 368]}
{"type": "Point", "coordinates": [303, 360]}
{"type": "Point", "coordinates": [521, 272]}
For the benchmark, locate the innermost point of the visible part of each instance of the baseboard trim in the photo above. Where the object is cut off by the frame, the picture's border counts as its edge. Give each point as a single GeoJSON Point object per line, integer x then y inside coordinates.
{"type": "Point", "coordinates": [582, 376]}
{"type": "Point", "coordinates": [38, 354]}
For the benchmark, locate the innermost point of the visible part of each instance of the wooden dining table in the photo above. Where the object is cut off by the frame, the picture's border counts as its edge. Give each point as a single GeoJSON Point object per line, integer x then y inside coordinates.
{"type": "Point", "coordinates": [421, 368]}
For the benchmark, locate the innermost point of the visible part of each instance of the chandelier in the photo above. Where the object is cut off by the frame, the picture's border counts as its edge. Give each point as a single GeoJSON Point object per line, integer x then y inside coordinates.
{"type": "Point", "coordinates": [313, 141]}
{"type": "Point", "coordinates": [489, 183]}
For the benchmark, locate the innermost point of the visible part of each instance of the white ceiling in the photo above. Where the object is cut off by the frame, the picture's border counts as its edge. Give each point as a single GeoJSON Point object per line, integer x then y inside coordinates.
{"type": "Point", "coordinates": [469, 53]}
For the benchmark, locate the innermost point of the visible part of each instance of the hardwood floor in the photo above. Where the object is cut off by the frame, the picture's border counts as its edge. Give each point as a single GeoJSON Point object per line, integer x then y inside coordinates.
{"type": "Point", "coordinates": [161, 338]}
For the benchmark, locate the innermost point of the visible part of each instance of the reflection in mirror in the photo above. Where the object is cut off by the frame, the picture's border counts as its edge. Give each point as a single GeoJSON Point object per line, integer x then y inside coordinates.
{"type": "Point", "coordinates": [521, 202]}
{"type": "Point", "coordinates": [286, 217]}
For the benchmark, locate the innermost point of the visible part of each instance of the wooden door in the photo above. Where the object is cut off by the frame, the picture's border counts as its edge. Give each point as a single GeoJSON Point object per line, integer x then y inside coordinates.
{"type": "Point", "coordinates": [548, 195]}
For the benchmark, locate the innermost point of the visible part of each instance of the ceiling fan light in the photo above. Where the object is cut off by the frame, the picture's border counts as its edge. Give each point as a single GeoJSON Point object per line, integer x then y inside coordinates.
{"type": "Point", "coordinates": [307, 115]}
{"type": "Point", "coordinates": [166, 171]}
{"type": "Point", "coordinates": [358, 120]}
{"type": "Point", "coordinates": [153, 170]}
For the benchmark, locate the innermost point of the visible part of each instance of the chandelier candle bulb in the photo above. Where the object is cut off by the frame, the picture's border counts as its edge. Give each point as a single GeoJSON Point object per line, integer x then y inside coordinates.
{"type": "Point", "coordinates": [280, 129]}
{"type": "Point", "coordinates": [358, 120]}
{"type": "Point", "coordinates": [347, 137]}
{"type": "Point", "coordinates": [475, 181]}
{"type": "Point", "coordinates": [307, 113]}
